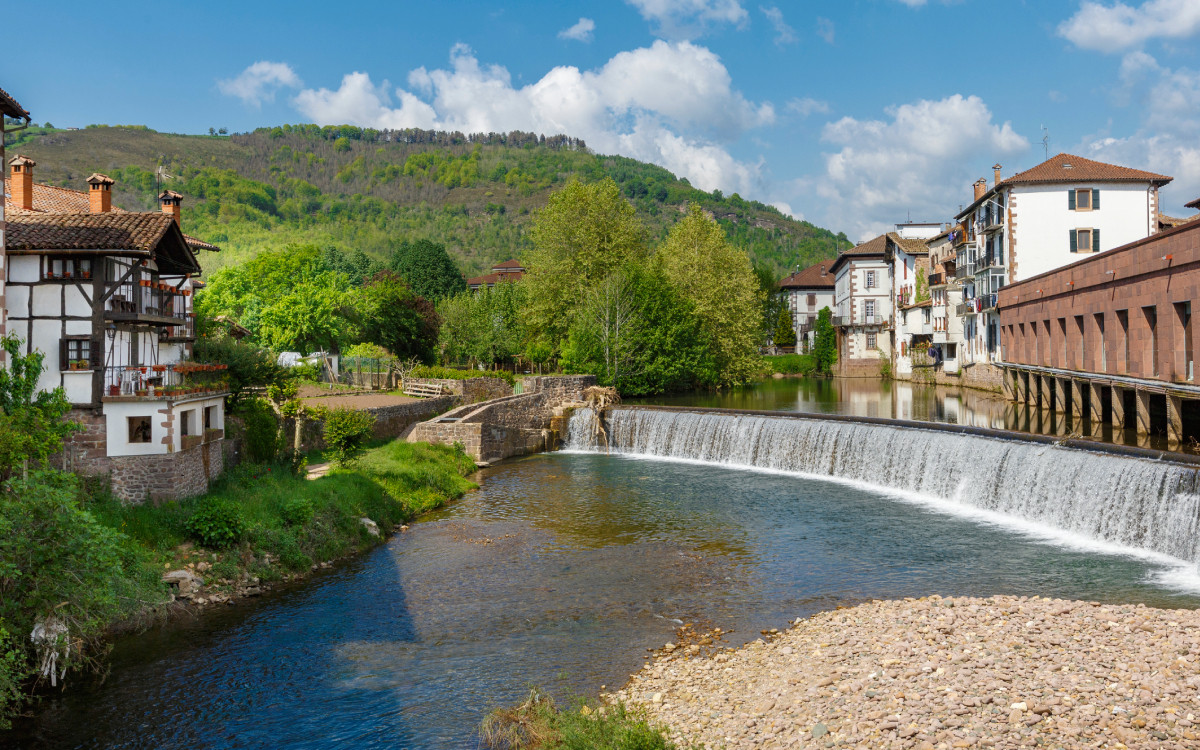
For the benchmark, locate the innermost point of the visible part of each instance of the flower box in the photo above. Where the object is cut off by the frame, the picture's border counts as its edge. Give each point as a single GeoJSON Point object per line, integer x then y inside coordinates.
{"type": "Point", "coordinates": [141, 392]}
{"type": "Point", "coordinates": [191, 441]}
{"type": "Point", "coordinates": [159, 368]}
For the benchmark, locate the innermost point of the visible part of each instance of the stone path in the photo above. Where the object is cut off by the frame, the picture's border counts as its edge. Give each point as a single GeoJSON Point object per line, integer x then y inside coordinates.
{"type": "Point", "coordinates": [1003, 672]}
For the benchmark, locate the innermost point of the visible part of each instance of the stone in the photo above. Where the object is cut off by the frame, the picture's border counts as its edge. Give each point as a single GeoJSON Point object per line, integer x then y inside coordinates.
{"type": "Point", "coordinates": [371, 527]}
{"type": "Point", "coordinates": [187, 582]}
{"type": "Point", "coordinates": [819, 730]}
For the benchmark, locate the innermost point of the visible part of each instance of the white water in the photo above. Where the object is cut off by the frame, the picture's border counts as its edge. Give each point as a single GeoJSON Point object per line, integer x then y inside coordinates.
{"type": "Point", "coordinates": [1074, 497]}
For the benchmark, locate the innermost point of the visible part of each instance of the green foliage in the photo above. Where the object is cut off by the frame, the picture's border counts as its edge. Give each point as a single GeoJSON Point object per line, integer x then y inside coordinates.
{"type": "Point", "coordinates": [538, 724]}
{"type": "Point", "coordinates": [825, 341]}
{"type": "Point", "coordinates": [885, 366]}
{"type": "Point", "coordinates": [347, 432]}
{"type": "Point", "coordinates": [784, 333]}
{"type": "Point", "coordinates": [262, 438]}
{"type": "Point", "coordinates": [297, 511]}
{"type": "Point", "coordinates": [250, 366]}
{"type": "Point", "coordinates": [391, 316]}
{"type": "Point", "coordinates": [216, 523]}
{"type": "Point", "coordinates": [449, 373]}
{"type": "Point", "coordinates": [366, 351]}
{"type": "Point", "coordinates": [31, 421]}
{"type": "Point", "coordinates": [487, 326]}
{"type": "Point", "coordinates": [636, 333]}
{"type": "Point", "coordinates": [585, 233]}
{"type": "Point", "coordinates": [727, 302]}
{"type": "Point", "coordinates": [14, 668]}
{"type": "Point", "coordinates": [428, 269]}
{"type": "Point", "coordinates": [922, 290]}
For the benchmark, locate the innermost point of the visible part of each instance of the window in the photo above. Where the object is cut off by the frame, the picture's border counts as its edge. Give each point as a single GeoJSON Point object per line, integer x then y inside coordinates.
{"type": "Point", "coordinates": [1123, 321]}
{"type": "Point", "coordinates": [1103, 348]}
{"type": "Point", "coordinates": [870, 279]}
{"type": "Point", "coordinates": [185, 422]}
{"type": "Point", "coordinates": [868, 311]}
{"type": "Point", "coordinates": [210, 417]}
{"type": "Point", "coordinates": [76, 353]}
{"type": "Point", "coordinates": [66, 268]}
{"type": "Point", "coordinates": [1184, 311]}
{"type": "Point", "coordinates": [871, 341]}
{"type": "Point", "coordinates": [1083, 199]}
{"type": "Point", "coordinates": [1151, 315]}
{"type": "Point", "coordinates": [139, 429]}
{"type": "Point", "coordinates": [812, 300]}
{"type": "Point", "coordinates": [1085, 240]}
{"type": "Point", "coordinates": [1083, 363]}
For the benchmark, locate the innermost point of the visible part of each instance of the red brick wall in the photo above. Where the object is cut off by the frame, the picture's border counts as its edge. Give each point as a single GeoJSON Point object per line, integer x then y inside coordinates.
{"type": "Point", "coordinates": [1156, 273]}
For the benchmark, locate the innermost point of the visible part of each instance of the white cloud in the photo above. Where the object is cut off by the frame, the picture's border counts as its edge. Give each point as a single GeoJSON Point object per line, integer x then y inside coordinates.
{"type": "Point", "coordinates": [922, 160]}
{"type": "Point", "coordinates": [259, 82]}
{"type": "Point", "coordinates": [825, 29]}
{"type": "Point", "coordinates": [580, 32]}
{"type": "Point", "coordinates": [1116, 27]}
{"type": "Point", "coordinates": [913, 3]}
{"type": "Point", "coordinates": [1165, 141]}
{"type": "Point", "coordinates": [808, 106]}
{"type": "Point", "coordinates": [687, 19]}
{"type": "Point", "coordinates": [784, 34]}
{"type": "Point", "coordinates": [670, 103]}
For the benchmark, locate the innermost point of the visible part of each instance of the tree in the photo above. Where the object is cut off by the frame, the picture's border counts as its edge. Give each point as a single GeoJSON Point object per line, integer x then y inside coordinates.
{"type": "Point", "coordinates": [784, 333]}
{"type": "Point", "coordinates": [825, 343]}
{"type": "Point", "coordinates": [393, 317]}
{"type": "Point", "coordinates": [428, 269]}
{"type": "Point", "coordinates": [718, 279]}
{"type": "Point", "coordinates": [31, 420]}
{"type": "Point", "coordinates": [768, 285]}
{"type": "Point", "coordinates": [585, 233]}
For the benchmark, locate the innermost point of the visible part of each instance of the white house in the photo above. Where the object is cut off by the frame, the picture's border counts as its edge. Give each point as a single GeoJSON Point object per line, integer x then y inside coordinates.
{"type": "Point", "coordinates": [8, 108]}
{"type": "Point", "coordinates": [945, 296]}
{"type": "Point", "coordinates": [806, 293]}
{"type": "Point", "coordinates": [908, 261]}
{"type": "Point", "coordinates": [863, 306]}
{"type": "Point", "coordinates": [1064, 209]}
{"type": "Point", "coordinates": [106, 296]}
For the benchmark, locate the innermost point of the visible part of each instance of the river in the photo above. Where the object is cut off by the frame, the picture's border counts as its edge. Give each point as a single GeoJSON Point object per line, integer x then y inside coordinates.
{"type": "Point", "coordinates": [874, 397]}
{"type": "Point", "coordinates": [560, 571]}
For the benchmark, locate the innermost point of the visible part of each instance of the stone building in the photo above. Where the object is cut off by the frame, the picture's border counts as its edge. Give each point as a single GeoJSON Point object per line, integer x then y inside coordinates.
{"type": "Point", "coordinates": [1112, 337]}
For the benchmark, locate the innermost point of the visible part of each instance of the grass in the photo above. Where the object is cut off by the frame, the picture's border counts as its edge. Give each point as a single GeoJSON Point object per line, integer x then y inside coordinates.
{"type": "Point", "coordinates": [538, 724]}
{"type": "Point", "coordinates": [790, 364]}
{"type": "Point", "coordinates": [292, 522]}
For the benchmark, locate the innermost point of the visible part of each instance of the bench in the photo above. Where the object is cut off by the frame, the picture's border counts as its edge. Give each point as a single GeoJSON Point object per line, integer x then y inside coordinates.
{"type": "Point", "coordinates": [423, 390]}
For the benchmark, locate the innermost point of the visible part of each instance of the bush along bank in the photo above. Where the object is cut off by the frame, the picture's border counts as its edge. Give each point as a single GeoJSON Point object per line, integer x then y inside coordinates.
{"type": "Point", "coordinates": [76, 564]}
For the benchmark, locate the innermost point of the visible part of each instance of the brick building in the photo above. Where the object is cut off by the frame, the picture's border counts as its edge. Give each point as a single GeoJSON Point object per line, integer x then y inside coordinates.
{"type": "Point", "coordinates": [1112, 337]}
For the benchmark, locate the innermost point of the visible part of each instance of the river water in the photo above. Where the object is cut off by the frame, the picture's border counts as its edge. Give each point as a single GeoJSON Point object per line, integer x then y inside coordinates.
{"type": "Point", "coordinates": [894, 399]}
{"type": "Point", "coordinates": [560, 571]}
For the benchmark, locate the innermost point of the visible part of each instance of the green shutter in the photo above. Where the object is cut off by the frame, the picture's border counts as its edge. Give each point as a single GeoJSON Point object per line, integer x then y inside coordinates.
{"type": "Point", "coordinates": [1095, 240]}
{"type": "Point", "coordinates": [1095, 198]}
{"type": "Point", "coordinates": [1070, 200]}
{"type": "Point", "coordinates": [1074, 240]}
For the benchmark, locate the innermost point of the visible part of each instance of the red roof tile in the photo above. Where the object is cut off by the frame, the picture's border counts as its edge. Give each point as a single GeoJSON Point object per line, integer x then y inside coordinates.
{"type": "Point", "coordinates": [1070, 168]}
{"type": "Point", "coordinates": [514, 263]}
{"type": "Point", "coordinates": [9, 106]}
{"type": "Point", "coordinates": [814, 277]}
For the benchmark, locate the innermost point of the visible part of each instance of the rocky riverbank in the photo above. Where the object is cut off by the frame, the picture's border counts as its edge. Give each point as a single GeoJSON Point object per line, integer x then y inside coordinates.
{"type": "Point", "coordinates": [1002, 672]}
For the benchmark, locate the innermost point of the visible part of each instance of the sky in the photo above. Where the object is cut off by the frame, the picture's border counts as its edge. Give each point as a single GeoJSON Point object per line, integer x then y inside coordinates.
{"type": "Point", "coordinates": [853, 114]}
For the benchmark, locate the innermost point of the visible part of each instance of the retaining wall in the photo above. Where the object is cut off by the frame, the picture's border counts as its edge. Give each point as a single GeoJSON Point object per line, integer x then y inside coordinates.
{"type": "Point", "coordinates": [470, 390]}
{"type": "Point", "coordinates": [390, 421]}
{"type": "Point", "coordinates": [981, 376]}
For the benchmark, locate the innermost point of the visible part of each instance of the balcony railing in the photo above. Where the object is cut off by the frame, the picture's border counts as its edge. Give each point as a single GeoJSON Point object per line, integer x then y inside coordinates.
{"type": "Point", "coordinates": [181, 380]}
{"type": "Point", "coordinates": [937, 279]}
{"type": "Point", "coordinates": [185, 332]}
{"type": "Point", "coordinates": [964, 271]}
{"type": "Point", "coordinates": [859, 320]}
{"type": "Point", "coordinates": [965, 308]}
{"type": "Point", "coordinates": [148, 302]}
{"type": "Point", "coordinates": [987, 301]}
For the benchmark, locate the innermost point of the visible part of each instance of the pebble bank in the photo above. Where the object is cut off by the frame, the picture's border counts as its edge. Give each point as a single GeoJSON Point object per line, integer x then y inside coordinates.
{"type": "Point", "coordinates": [1003, 672]}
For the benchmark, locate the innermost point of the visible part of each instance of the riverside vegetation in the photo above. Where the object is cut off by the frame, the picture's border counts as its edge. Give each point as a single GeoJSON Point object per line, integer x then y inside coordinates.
{"type": "Point", "coordinates": [73, 556]}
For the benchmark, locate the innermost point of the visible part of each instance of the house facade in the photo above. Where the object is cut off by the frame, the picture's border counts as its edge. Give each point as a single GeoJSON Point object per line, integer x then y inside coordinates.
{"type": "Point", "coordinates": [1057, 213]}
{"type": "Point", "coordinates": [9, 108]}
{"type": "Point", "coordinates": [945, 296]}
{"type": "Point", "coordinates": [908, 264]}
{"type": "Point", "coordinates": [806, 293]}
{"type": "Point", "coordinates": [863, 307]}
{"type": "Point", "coordinates": [509, 270]}
{"type": "Point", "coordinates": [106, 296]}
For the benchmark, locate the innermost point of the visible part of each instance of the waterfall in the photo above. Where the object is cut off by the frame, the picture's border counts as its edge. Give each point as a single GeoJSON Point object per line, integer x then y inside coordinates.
{"type": "Point", "coordinates": [1151, 506]}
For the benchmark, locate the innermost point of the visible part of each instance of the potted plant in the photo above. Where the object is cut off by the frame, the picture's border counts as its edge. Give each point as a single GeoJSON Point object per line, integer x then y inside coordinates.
{"type": "Point", "coordinates": [85, 274]}
{"type": "Point", "coordinates": [141, 392]}
{"type": "Point", "coordinates": [144, 282]}
{"type": "Point", "coordinates": [114, 390]}
{"type": "Point", "coordinates": [49, 274]}
{"type": "Point", "coordinates": [159, 368]}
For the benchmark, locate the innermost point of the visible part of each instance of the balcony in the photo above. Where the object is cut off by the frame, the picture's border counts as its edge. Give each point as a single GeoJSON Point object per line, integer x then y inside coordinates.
{"type": "Point", "coordinates": [987, 302]}
{"type": "Point", "coordinates": [180, 381]}
{"type": "Point", "coordinates": [937, 279]}
{"type": "Point", "coordinates": [965, 308]}
{"type": "Point", "coordinates": [183, 333]}
{"type": "Point", "coordinates": [964, 271]}
{"type": "Point", "coordinates": [147, 302]}
{"type": "Point", "coordinates": [990, 261]}
{"type": "Point", "coordinates": [859, 320]}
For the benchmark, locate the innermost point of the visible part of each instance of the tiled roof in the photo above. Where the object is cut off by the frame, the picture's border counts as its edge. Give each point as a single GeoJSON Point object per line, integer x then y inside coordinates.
{"type": "Point", "coordinates": [9, 106]}
{"type": "Point", "coordinates": [495, 278]}
{"type": "Point", "coordinates": [1167, 222]}
{"type": "Point", "coordinates": [910, 246]}
{"type": "Point", "coordinates": [1070, 168]}
{"type": "Point", "coordinates": [514, 263]}
{"type": "Point", "coordinates": [59, 200]}
{"type": "Point", "coordinates": [814, 277]}
{"type": "Point", "coordinates": [107, 231]}
{"type": "Point", "coordinates": [1194, 204]}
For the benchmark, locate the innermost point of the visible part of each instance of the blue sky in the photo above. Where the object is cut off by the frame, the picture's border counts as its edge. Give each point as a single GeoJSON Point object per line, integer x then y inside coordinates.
{"type": "Point", "coordinates": [852, 114]}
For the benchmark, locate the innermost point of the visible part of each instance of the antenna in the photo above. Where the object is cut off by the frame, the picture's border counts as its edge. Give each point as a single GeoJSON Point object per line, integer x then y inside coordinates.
{"type": "Point", "coordinates": [1046, 140]}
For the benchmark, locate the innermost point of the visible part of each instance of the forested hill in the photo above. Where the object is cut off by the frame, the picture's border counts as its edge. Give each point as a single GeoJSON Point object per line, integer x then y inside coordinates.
{"type": "Point", "coordinates": [370, 189]}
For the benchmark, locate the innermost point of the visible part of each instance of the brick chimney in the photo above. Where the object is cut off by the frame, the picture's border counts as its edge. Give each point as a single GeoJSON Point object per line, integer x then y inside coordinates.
{"type": "Point", "coordinates": [100, 193]}
{"type": "Point", "coordinates": [22, 181]}
{"type": "Point", "coordinates": [996, 174]}
{"type": "Point", "coordinates": [170, 200]}
{"type": "Point", "coordinates": [980, 188]}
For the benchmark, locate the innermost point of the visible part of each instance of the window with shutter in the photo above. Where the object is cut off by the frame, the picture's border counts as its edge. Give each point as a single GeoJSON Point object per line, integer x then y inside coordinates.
{"type": "Point", "coordinates": [1083, 199]}
{"type": "Point", "coordinates": [1074, 241]}
{"type": "Point", "coordinates": [1070, 200]}
{"type": "Point", "coordinates": [1096, 240]}
{"type": "Point", "coordinates": [1084, 240]}
{"type": "Point", "coordinates": [1095, 199]}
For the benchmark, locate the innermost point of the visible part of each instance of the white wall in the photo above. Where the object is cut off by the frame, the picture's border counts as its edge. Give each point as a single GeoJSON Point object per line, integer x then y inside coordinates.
{"type": "Point", "coordinates": [117, 414]}
{"type": "Point", "coordinates": [1043, 223]}
{"type": "Point", "coordinates": [24, 268]}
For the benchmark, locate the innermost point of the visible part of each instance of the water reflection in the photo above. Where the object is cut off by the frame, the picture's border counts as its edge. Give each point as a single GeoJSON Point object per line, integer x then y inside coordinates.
{"type": "Point", "coordinates": [871, 397]}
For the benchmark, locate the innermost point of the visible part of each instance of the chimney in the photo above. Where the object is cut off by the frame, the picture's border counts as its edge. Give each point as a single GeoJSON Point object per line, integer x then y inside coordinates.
{"type": "Point", "coordinates": [100, 193]}
{"type": "Point", "coordinates": [170, 200]}
{"type": "Point", "coordinates": [996, 174]}
{"type": "Point", "coordinates": [22, 181]}
{"type": "Point", "coordinates": [980, 188]}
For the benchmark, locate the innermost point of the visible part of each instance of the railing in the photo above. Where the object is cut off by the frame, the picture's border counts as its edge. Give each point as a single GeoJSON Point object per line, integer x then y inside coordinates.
{"type": "Point", "coordinates": [163, 381]}
{"type": "Point", "coordinates": [987, 301]}
{"type": "Point", "coordinates": [991, 261]}
{"type": "Point", "coordinates": [965, 308]}
{"type": "Point", "coordinates": [966, 270]}
{"type": "Point", "coordinates": [859, 320]}
{"type": "Point", "coordinates": [185, 332]}
{"type": "Point", "coordinates": [937, 279]}
{"type": "Point", "coordinates": [144, 298]}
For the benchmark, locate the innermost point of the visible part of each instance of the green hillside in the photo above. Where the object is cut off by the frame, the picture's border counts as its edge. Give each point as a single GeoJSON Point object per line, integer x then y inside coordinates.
{"type": "Point", "coordinates": [369, 189]}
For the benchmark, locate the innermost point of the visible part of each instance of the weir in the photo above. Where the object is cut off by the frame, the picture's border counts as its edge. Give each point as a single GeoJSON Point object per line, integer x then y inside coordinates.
{"type": "Point", "coordinates": [1127, 500]}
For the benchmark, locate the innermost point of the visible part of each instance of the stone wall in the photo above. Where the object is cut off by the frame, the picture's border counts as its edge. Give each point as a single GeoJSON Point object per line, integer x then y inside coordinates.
{"type": "Point", "coordinates": [981, 376]}
{"type": "Point", "coordinates": [857, 368]}
{"type": "Point", "coordinates": [558, 387]}
{"type": "Point", "coordinates": [390, 421]}
{"type": "Point", "coordinates": [167, 476]}
{"type": "Point", "coordinates": [471, 390]}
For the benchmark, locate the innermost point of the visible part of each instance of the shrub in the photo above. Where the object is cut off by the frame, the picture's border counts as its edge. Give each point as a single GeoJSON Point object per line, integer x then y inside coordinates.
{"type": "Point", "coordinates": [449, 373]}
{"type": "Point", "coordinates": [262, 431]}
{"type": "Point", "coordinates": [297, 511]}
{"type": "Point", "coordinates": [13, 669]}
{"type": "Point", "coordinates": [216, 523]}
{"type": "Point", "coordinates": [347, 432]}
